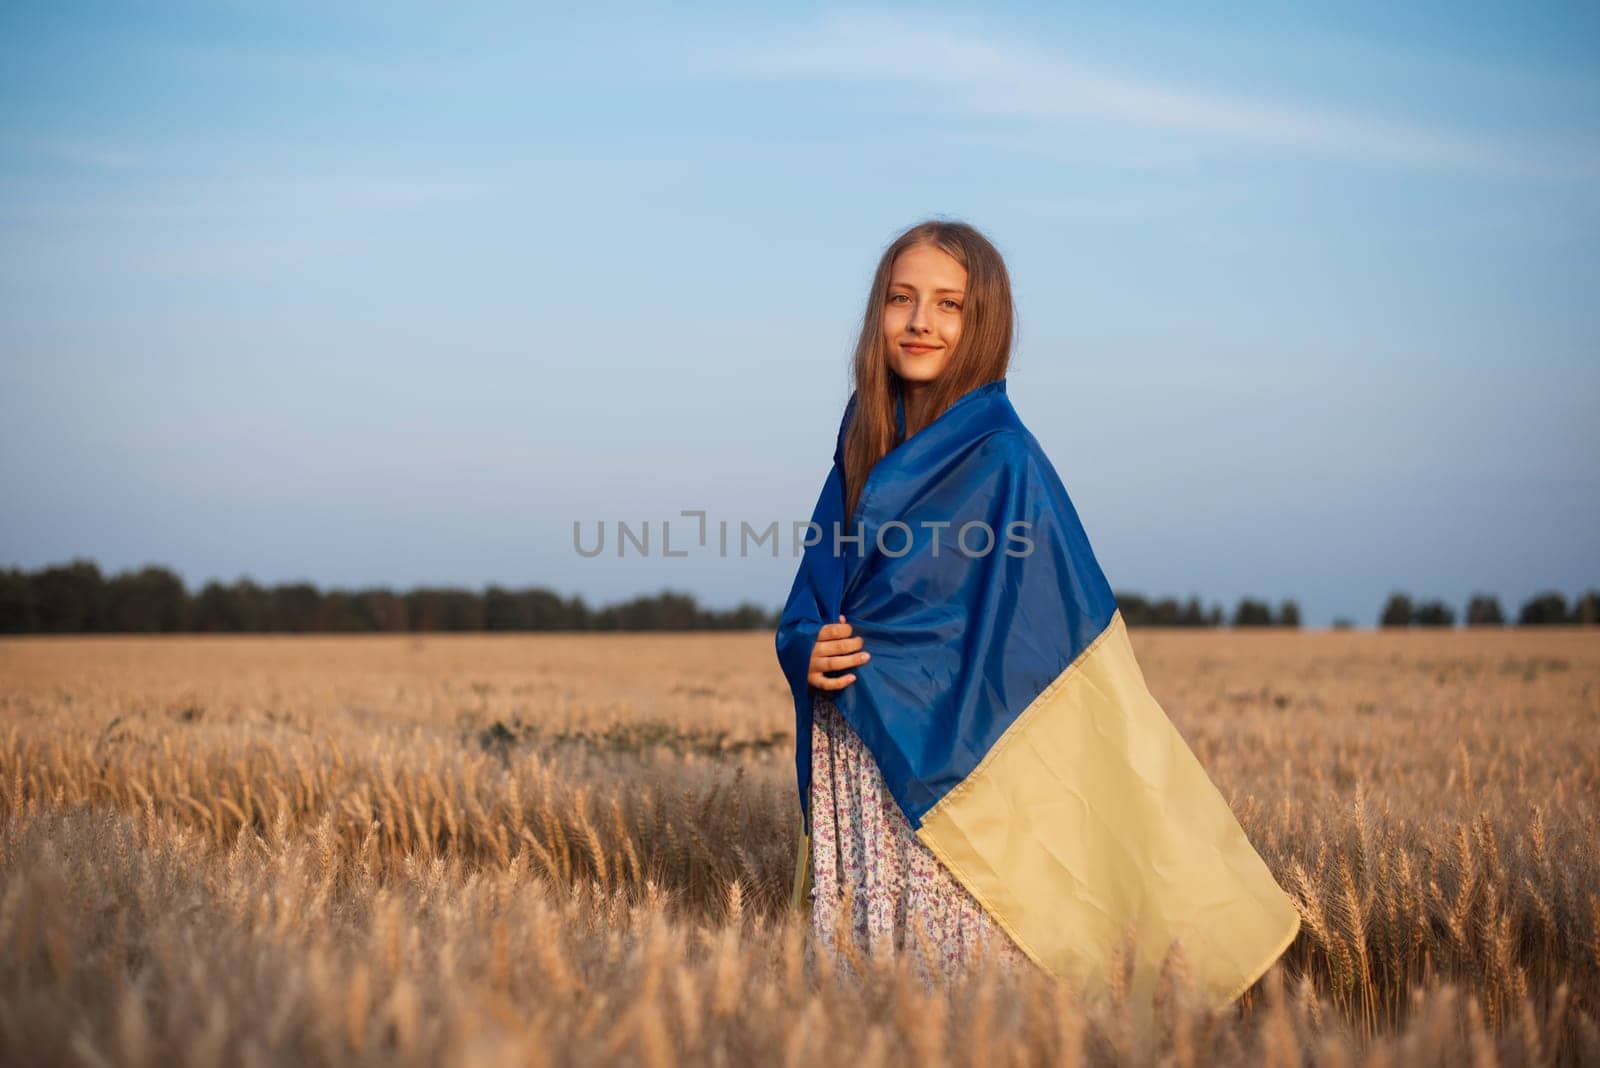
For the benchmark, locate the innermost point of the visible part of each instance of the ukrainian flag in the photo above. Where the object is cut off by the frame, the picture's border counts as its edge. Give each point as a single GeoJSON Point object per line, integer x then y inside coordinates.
{"type": "Point", "coordinates": [1010, 719]}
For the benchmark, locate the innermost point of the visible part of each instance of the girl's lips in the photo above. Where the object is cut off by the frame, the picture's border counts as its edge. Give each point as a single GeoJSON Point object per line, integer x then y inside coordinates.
{"type": "Point", "coordinates": [919, 349]}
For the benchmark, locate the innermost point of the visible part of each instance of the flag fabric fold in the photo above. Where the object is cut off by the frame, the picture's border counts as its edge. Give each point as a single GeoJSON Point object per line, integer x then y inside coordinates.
{"type": "Point", "coordinates": [1008, 715]}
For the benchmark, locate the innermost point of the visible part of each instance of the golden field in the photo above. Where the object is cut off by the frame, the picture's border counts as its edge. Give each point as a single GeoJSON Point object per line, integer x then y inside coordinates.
{"type": "Point", "coordinates": [572, 849]}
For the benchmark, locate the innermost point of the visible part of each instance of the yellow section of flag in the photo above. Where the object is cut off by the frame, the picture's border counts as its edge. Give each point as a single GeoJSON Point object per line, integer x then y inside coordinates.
{"type": "Point", "coordinates": [1090, 813]}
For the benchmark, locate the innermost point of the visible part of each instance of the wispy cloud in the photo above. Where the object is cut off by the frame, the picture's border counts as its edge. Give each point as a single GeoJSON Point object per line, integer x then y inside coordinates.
{"type": "Point", "coordinates": [1018, 81]}
{"type": "Point", "coordinates": [1146, 155]}
{"type": "Point", "coordinates": [1187, 202]}
{"type": "Point", "coordinates": [266, 197]}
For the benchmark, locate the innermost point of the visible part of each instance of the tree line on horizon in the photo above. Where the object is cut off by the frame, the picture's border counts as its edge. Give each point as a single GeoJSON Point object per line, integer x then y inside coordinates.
{"type": "Point", "coordinates": [77, 598]}
{"type": "Point", "coordinates": [1483, 610]}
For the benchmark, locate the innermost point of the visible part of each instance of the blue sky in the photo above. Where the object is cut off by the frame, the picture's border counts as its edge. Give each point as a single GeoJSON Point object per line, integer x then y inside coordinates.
{"type": "Point", "coordinates": [392, 294]}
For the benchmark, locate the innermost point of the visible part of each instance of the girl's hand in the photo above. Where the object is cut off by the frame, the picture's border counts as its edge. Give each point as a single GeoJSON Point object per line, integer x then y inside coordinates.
{"type": "Point", "coordinates": [835, 650]}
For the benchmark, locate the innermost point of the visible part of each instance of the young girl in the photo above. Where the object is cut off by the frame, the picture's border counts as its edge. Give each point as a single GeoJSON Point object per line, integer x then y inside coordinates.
{"type": "Point", "coordinates": [872, 878]}
{"type": "Point", "coordinates": [981, 766]}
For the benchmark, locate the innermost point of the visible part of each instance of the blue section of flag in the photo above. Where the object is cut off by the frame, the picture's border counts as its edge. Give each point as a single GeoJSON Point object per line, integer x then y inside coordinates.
{"type": "Point", "coordinates": [973, 585]}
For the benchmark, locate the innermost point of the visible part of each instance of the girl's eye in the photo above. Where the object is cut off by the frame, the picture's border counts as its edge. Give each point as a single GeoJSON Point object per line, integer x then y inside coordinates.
{"type": "Point", "coordinates": [950, 301]}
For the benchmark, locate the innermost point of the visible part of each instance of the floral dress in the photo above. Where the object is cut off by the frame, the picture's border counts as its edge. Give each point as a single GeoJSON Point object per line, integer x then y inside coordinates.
{"type": "Point", "coordinates": [872, 877]}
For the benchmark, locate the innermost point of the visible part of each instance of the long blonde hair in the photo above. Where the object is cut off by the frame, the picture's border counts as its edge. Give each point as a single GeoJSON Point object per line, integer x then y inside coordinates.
{"type": "Point", "coordinates": [982, 352]}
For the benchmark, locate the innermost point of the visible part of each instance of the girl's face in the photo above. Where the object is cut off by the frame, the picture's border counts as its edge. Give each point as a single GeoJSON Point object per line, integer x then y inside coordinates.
{"type": "Point", "coordinates": [922, 313]}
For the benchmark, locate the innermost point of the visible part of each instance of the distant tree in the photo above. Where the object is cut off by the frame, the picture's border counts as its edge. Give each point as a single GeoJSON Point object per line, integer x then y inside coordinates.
{"type": "Point", "coordinates": [1586, 609]}
{"type": "Point", "coordinates": [238, 608]}
{"type": "Point", "coordinates": [1547, 607]}
{"type": "Point", "coordinates": [1288, 614]}
{"type": "Point", "coordinates": [1483, 610]}
{"type": "Point", "coordinates": [70, 598]}
{"type": "Point", "coordinates": [1134, 607]}
{"type": "Point", "coordinates": [446, 609]}
{"type": "Point", "coordinates": [504, 610]}
{"type": "Point", "coordinates": [1139, 611]}
{"type": "Point", "coordinates": [379, 609]}
{"type": "Point", "coordinates": [253, 605]}
{"type": "Point", "coordinates": [1433, 614]}
{"type": "Point", "coordinates": [532, 609]}
{"type": "Point", "coordinates": [1164, 613]}
{"type": "Point", "coordinates": [746, 615]}
{"type": "Point", "coordinates": [16, 603]}
{"type": "Point", "coordinates": [1341, 623]}
{"type": "Point", "coordinates": [667, 610]}
{"type": "Point", "coordinates": [551, 612]}
{"type": "Point", "coordinates": [295, 607]}
{"type": "Point", "coordinates": [1252, 613]}
{"type": "Point", "coordinates": [150, 600]}
{"type": "Point", "coordinates": [341, 613]}
{"type": "Point", "coordinates": [1397, 612]}
{"type": "Point", "coordinates": [213, 609]}
{"type": "Point", "coordinates": [580, 611]}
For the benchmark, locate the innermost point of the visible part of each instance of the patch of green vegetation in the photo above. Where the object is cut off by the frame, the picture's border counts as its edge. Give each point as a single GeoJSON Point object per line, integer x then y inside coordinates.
{"type": "Point", "coordinates": [1529, 669]}
{"type": "Point", "coordinates": [502, 738]}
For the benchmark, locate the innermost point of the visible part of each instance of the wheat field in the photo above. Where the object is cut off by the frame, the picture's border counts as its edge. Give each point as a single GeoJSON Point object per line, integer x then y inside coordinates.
{"type": "Point", "coordinates": [577, 849]}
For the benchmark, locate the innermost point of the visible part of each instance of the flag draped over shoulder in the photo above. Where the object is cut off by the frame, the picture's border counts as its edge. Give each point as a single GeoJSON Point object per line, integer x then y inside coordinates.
{"type": "Point", "coordinates": [1008, 715]}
